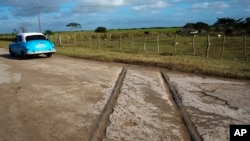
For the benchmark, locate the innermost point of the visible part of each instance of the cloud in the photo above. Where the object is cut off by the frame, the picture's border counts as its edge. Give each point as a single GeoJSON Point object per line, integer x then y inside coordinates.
{"type": "Point", "coordinates": [242, 2]}
{"type": "Point", "coordinates": [245, 4]}
{"type": "Point", "coordinates": [209, 5]}
{"type": "Point", "coordinates": [93, 6]}
{"type": "Point", "coordinates": [101, 2]}
{"type": "Point", "coordinates": [55, 14]}
{"type": "Point", "coordinates": [30, 7]}
{"type": "Point", "coordinates": [154, 6]}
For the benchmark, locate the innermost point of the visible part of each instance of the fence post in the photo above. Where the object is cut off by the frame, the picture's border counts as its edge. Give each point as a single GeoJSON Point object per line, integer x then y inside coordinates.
{"type": "Point", "coordinates": [208, 46]}
{"type": "Point", "coordinates": [175, 44]}
{"type": "Point", "coordinates": [223, 47]}
{"type": "Point", "coordinates": [158, 46]}
{"type": "Point", "coordinates": [74, 39]}
{"type": "Point", "coordinates": [245, 47]}
{"type": "Point", "coordinates": [90, 40]}
{"type": "Point", "coordinates": [144, 45]}
{"type": "Point", "coordinates": [194, 49]}
{"type": "Point", "coordinates": [120, 42]}
{"type": "Point", "coordinates": [60, 40]}
{"type": "Point", "coordinates": [99, 40]}
{"type": "Point", "coordinates": [132, 41]}
{"type": "Point", "coordinates": [54, 39]}
{"type": "Point", "coordinates": [110, 39]}
{"type": "Point", "coordinates": [82, 35]}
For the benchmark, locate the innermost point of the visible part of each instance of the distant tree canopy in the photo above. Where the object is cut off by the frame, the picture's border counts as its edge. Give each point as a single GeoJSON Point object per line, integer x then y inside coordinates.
{"type": "Point", "coordinates": [199, 26]}
{"type": "Point", "coordinates": [101, 29]}
{"type": "Point", "coordinates": [48, 32]}
{"type": "Point", "coordinates": [229, 25]}
{"type": "Point", "coordinates": [73, 26]}
{"type": "Point", "coordinates": [23, 30]}
{"type": "Point", "coordinates": [225, 22]}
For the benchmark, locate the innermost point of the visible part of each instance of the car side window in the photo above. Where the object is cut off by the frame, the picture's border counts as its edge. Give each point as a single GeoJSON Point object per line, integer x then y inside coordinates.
{"type": "Point", "coordinates": [18, 38]}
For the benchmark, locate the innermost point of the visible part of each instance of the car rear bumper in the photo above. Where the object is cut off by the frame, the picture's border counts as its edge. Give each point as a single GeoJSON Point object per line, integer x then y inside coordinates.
{"type": "Point", "coordinates": [40, 52]}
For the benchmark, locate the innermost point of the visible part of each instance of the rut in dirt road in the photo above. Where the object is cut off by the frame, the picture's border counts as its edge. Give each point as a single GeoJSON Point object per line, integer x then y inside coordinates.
{"type": "Point", "coordinates": [141, 108]}
{"type": "Point", "coordinates": [100, 128]}
{"type": "Point", "coordinates": [195, 136]}
{"type": "Point", "coordinates": [41, 99]}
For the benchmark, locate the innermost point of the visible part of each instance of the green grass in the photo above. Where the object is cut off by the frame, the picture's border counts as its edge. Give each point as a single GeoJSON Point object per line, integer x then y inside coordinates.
{"type": "Point", "coordinates": [4, 44]}
{"type": "Point", "coordinates": [142, 30]}
{"type": "Point", "coordinates": [100, 47]}
{"type": "Point", "coordinates": [192, 64]}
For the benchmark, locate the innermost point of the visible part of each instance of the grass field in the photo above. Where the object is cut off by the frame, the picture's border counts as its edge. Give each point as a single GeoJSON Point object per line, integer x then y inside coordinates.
{"type": "Point", "coordinates": [186, 63]}
{"type": "Point", "coordinates": [158, 49]}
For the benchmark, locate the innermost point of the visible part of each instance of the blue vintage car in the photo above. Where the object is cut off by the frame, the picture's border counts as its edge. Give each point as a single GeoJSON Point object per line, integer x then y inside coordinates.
{"type": "Point", "coordinates": [31, 44]}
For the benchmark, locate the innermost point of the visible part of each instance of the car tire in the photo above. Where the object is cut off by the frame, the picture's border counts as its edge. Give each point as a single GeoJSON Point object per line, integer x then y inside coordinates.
{"type": "Point", "coordinates": [11, 53]}
{"type": "Point", "coordinates": [23, 55]}
{"type": "Point", "coordinates": [48, 54]}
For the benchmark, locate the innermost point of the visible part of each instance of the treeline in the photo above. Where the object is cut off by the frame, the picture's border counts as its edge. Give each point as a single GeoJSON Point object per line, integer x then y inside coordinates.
{"type": "Point", "coordinates": [228, 26]}
{"type": "Point", "coordinates": [7, 37]}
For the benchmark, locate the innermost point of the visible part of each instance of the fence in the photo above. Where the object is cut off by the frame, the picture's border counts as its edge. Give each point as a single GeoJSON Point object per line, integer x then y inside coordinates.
{"type": "Point", "coordinates": [6, 37]}
{"type": "Point", "coordinates": [165, 44]}
{"type": "Point", "coordinates": [209, 46]}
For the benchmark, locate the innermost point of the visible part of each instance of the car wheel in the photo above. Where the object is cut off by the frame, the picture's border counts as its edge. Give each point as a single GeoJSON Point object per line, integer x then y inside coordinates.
{"type": "Point", "coordinates": [11, 53]}
{"type": "Point", "coordinates": [48, 54]}
{"type": "Point", "coordinates": [23, 55]}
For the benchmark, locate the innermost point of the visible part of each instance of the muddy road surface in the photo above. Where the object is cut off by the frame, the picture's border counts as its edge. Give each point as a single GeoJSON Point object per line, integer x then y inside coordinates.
{"type": "Point", "coordinates": [62, 98]}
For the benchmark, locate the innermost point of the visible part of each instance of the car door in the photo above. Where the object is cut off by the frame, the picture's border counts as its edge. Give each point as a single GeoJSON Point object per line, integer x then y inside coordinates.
{"type": "Point", "coordinates": [16, 46]}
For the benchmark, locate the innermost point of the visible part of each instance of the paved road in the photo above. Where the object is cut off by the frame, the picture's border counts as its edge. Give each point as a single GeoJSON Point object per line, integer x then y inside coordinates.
{"type": "Point", "coordinates": [62, 98]}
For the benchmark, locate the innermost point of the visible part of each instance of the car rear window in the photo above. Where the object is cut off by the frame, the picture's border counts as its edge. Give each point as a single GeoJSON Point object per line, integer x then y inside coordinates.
{"type": "Point", "coordinates": [35, 37]}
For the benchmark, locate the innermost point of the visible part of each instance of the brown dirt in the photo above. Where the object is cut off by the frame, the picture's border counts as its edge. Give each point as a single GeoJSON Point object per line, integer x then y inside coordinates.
{"type": "Point", "coordinates": [62, 98]}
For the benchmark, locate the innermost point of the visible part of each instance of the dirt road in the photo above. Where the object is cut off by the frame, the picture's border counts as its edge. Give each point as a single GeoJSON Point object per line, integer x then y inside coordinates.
{"type": "Point", "coordinates": [62, 98]}
{"type": "Point", "coordinates": [213, 103]}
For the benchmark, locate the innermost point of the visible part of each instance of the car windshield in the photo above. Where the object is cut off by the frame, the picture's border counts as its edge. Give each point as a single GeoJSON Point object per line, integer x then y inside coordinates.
{"type": "Point", "coordinates": [35, 37]}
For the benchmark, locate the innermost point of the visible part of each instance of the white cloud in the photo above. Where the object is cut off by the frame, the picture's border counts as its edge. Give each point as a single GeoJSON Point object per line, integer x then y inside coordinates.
{"type": "Point", "coordinates": [30, 7]}
{"type": "Point", "coordinates": [245, 4]}
{"type": "Point", "coordinates": [219, 12]}
{"type": "Point", "coordinates": [209, 5]}
{"type": "Point", "coordinates": [100, 2]}
{"type": "Point", "coordinates": [92, 6]}
{"type": "Point", "coordinates": [242, 2]}
{"type": "Point", "coordinates": [55, 14]}
{"type": "Point", "coordinates": [154, 6]}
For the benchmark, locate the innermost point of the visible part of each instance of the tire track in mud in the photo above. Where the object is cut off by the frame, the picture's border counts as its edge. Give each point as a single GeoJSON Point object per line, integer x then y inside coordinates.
{"type": "Point", "coordinates": [99, 130]}
{"type": "Point", "coordinates": [194, 134]}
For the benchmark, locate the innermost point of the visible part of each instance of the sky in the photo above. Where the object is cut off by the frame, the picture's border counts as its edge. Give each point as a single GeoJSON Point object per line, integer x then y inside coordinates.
{"type": "Point", "coordinates": [115, 14]}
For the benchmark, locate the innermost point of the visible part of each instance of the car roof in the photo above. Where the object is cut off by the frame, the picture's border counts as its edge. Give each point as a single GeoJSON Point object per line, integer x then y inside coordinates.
{"type": "Point", "coordinates": [29, 34]}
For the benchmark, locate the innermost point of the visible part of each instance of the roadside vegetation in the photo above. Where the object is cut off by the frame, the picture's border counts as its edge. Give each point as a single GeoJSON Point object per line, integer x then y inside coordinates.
{"type": "Point", "coordinates": [232, 64]}
{"type": "Point", "coordinates": [185, 63]}
{"type": "Point", "coordinates": [221, 50]}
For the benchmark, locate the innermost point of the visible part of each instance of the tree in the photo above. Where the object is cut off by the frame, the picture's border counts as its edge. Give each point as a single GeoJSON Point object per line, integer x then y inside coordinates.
{"type": "Point", "coordinates": [247, 24]}
{"type": "Point", "coordinates": [101, 29]}
{"type": "Point", "coordinates": [201, 26]}
{"type": "Point", "coordinates": [189, 25]}
{"type": "Point", "coordinates": [194, 27]}
{"type": "Point", "coordinates": [23, 29]}
{"type": "Point", "coordinates": [15, 31]}
{"type": "Point", "coordinates": [48, 32]}
{"type": "Point", "coordinates": [73, 26]}
{"type": "Point", "coordinates": [226, 22]}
